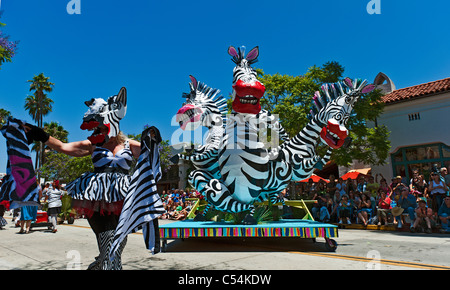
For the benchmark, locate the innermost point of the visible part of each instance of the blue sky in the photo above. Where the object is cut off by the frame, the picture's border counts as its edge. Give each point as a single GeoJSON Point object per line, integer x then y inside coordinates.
{"type": "Point", "coordinates": [151, 47]}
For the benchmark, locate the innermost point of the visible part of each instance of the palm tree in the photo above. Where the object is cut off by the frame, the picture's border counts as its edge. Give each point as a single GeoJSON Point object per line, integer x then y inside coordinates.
{"type": "Point", "coordinates": [54, 129]}
{"type": "Point", "coordinates": [39, 105]}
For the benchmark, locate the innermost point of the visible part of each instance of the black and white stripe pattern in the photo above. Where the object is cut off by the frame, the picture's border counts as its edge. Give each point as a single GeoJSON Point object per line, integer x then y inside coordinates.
{"type": "Point", "coordinates": [142, 205]}
{"type": "Point", "coordinates": [104, 261]}
{"type": "Point", "coordinates": [108, 113]}
{"type": "Point", "coordinates": [20, 182]}
{"type": "Point", "coordinates": [110, 182]}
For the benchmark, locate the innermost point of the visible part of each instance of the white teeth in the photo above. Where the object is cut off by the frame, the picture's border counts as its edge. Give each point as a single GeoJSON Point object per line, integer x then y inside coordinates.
{"type": "Point", "coordinates": [332, 134]}
{"type": "Point", "coordinates": [248, 100]}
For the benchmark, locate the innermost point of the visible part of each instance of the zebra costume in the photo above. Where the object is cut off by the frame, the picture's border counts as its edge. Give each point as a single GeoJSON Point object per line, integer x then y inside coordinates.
{"type": "Point", "coordinates": [248, 171]}
{"type": "Point", "coordinates": [19, 184]}
{"type": "Point", "coordinates": [115, 202]}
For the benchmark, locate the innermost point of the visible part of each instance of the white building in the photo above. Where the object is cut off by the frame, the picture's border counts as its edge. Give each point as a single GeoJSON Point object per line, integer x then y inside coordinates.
{"type": "Point", "coordinates": [419, 120]}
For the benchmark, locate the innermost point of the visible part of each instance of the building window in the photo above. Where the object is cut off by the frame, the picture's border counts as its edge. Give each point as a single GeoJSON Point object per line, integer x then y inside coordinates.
{"type": "Point", "coordinates": [422, 157]}
{"type": "Point", "coordinates": [414, 116]}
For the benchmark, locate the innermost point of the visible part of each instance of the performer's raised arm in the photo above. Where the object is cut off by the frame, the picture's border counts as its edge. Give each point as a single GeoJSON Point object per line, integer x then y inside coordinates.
{"type": "Point", "coordinates": [76, 149]}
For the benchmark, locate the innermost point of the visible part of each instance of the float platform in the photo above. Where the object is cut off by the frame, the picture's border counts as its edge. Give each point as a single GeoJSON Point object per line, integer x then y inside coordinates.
{"type": "Point", "coordinates": [288, 228]}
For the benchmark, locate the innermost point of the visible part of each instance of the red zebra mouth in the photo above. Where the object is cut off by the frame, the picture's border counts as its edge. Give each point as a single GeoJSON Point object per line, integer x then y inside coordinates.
{"type": "Point", "coordinates": [248, 96]}
{"type": "Point", "coordinates": [334, 134]}
{"type": "Point", "coordinates": [101, 131]}
{"type": "Point", "coordinates": [189, 117]}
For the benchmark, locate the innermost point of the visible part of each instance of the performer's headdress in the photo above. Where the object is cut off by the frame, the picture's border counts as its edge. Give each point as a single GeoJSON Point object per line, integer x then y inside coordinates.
{"type": "Point", "coordinates": [107, 114]}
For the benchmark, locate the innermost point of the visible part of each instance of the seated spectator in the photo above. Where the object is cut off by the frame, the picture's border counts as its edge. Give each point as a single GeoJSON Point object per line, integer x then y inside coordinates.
{"type": "Point", "coordinates": [408, 203]}
{"type": "Point", "coordinates": [444, 215]}
{"type": "Point", "coordinates": [365, 208]}
{"type": "Point", "coordinates": [319, 210]}
{"type": "Point", "coordinates": [424, 215]}
{"type": "Point", "coordinates": [345, 209]}
{"type": "Point", "coordinates": [384, 207]}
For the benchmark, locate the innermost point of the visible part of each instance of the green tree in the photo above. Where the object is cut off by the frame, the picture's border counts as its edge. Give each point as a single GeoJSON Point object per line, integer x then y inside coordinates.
{"type": "Point", "coordinates": [4, 114]}
{"type": "Point", "coordinates": [54, 129]}
{"type": "Point", "coordinates": [57, 165]}
{"type": "Point", "coordinates": [7, 48]}
{"type": "Point", "coordinates": [63, 167]}
{"type": "Point", "coordinates": [39, 104]}
{"type": "Point", "coordinates": [164, 150]}
{"type": "Point", "coordinates": [291, 98]}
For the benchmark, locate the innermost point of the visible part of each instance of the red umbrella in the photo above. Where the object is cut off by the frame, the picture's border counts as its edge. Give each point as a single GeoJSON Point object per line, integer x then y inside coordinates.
{"type": "Point", "coordinates": [352, 174]}
{"type": "Point", "coordinates": [315, 178]}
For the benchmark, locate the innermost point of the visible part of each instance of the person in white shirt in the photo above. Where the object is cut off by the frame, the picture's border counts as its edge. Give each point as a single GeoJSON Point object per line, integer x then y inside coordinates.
{"type": "Point", "coordinates": [54, 203]}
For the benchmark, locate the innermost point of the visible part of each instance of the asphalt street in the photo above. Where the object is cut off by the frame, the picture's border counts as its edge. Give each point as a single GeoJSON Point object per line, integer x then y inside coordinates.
{"type": "Point", "coordinates": [74, 247]}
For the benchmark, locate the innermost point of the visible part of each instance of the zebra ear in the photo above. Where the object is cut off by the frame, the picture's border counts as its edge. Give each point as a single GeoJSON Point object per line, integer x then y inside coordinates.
{"type": "Point", "coordinates": [194, 82]}
{"type": "Point", "coordinates": [348, 82]}
{"type": "Point", "coordinates": [233, 52]}
{"type": "Point", "coordinates": [89, 103]}
{"type": "Point", "coordinates": [253, 54]}
{"type": "Point", "coordinates": [122, 96]}
{"type": "Point", "coordinates": [368, 89]}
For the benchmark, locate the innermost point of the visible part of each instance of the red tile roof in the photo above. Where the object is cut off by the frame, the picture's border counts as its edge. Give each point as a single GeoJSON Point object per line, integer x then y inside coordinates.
{"type": "Point", "coordinates": [422, 90]}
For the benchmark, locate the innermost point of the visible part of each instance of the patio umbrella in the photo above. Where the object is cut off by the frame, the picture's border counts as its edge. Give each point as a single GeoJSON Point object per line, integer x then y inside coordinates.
{"type": "Point", "coordinates": [315, 179]}
{"type": "Point", "coordinates": [352, 174]}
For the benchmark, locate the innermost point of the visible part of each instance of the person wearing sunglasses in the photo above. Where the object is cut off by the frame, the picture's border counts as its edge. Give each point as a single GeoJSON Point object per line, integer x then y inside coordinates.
{"type": "Point", "coordinates": [437, 189]}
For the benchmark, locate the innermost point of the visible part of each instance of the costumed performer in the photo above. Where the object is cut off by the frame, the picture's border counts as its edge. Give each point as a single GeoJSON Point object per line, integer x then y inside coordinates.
{"type": "Point", "coordinates": [101, 194]}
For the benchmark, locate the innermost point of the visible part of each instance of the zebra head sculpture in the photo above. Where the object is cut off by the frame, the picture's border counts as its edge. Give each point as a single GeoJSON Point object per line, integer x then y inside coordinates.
{"type": "Point", "coordinates": [103, 117]}
{"type": "Point", "coordinates": [204, 106]}
{"type": "Point", "coordinates": [247, 90]}
{"type": "Point", "coordinates": [332, 109]}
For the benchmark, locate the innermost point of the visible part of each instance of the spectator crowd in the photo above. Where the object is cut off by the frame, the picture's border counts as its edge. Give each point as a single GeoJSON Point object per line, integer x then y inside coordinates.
{"type": "Point", "coordinates": [371, 199]}
{"type": "Point", "coordinates": [423, 204]}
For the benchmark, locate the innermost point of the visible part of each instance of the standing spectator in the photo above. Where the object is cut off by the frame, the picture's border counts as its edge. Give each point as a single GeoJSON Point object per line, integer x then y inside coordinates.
{"type": "Point", "coordinates": [345, 209]}
{"type": "Point", "coordinates": [437, 190]}
{"type": "Point", "coordinates": [350, 184]}
{"type": "Point", "coordinates": [383, 184]}
{"type": "Point", "coordinates": [365, 208]}
{"type": "Point", "coordinates": [54, 203]}
{"type": "Point", "coordinates": [331, 186]}
{"type": "Point", "coordinates": [444, 215]}
{"type": "Point", "coordinates": [384, 207]}
{"type": "Point", "coordinates": [28, 214]}
{"type": "Point", "coordinates": [341, 186]}
{"type": "Point", "coordinates": [334, 204]}
{"type": "Point", "coordinates": [424, 215]}
{"type": "Point", "coordinates": [407, 201]}
{"type": "Point", "coordinates": [421, 187]}
{"type": "Point", "coordinates": [396, 184]}
{"type": "Point", "coordinates": [310, 188]}
{"type": "Point", "coordinates": [372, 186]}
{"type": "Point", "coordinates": [446, 174]}
{"type": "Point", "coordinates": [385, 187]}
{"type": "Point", "coordinates": [4, 206]}
{"type": "Point", "coordinates": [362, 184]}
{"type": "Point", "coordinates": [414, 179]}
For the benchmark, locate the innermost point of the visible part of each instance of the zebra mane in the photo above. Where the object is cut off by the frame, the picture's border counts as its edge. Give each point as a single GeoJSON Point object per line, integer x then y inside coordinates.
{"type": "Point", "coordinates": [207, 94]}
{"type": "Point", "coordinates": [332, 91]}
